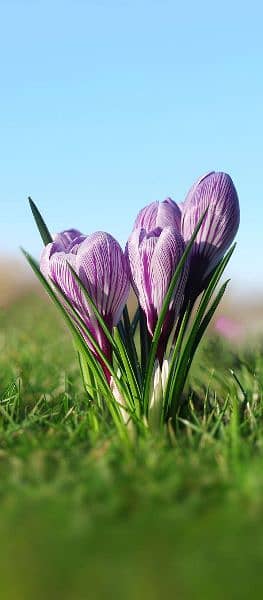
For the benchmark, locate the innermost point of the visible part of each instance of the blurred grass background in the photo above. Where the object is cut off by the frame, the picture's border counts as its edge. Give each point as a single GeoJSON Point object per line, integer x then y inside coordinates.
{"type": "Point", "coordinates": [81, 517]}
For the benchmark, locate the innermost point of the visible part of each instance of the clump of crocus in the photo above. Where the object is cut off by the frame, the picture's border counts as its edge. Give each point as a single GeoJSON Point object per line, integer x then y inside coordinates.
{"type": "Point", "coordinates": [216, 194]}
{"type": "Point", "coordinates": [100, 264]}
{"type": "Point", "coordinates": [174, 253]}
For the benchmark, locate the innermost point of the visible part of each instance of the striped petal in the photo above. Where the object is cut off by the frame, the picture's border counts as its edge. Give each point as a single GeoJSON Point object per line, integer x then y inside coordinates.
{"type": "Point", "coordinates": [60, 273]}
{"type": "Point", "coordinates": [215, 192]}
{"type": "Point", "coordinates": [159, 214]}
{"type": "Point", "coordinates": [168, 251]}
{"type": "Point", "coordinates": [65, 242]}
{"type": "Point", "coordinates": [153, 258]}
{"type": "Point", "coordinates": [144, 277]}
{"type": "Point", "coordinates": [103, 269]}
{"type": "Point", "coordinates": [65, 238]}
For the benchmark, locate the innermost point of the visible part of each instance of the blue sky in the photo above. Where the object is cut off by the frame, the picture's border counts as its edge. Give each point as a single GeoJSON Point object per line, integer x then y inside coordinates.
{"type": "Point", "coordinates": [107, 106]}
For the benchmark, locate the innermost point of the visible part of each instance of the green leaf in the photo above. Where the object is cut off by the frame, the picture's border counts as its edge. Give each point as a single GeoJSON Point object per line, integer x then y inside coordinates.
{"type": "Point", "coordinates": [80, 344]}
{"type": "Point", "coordinates": [191, 344]}
{"type": "Point", "coordinates": [145, 342]}
{"type": "Point", "coordinates": [132, 352]}
{"type": "Point", "coordinates": [41, 225]}
{"type": "Point", "coordinates": [88, 379]}
{"type": "Point", "coordinates": [167, 300]}
{"type": "Point", "coordinates": [136, 394]}
{"type": "Point", "coordinates": [119, 349]}
{"type": "Point", "coordinates": [175, 355]}
{"type": "Point", "coordinates": [135, 321]}
{"type": "Point", "coordinates": [97, 314]}
{"type": "Point", "coordinates": [122, 388]}
{"type": "Point", "coordinates": [209, 315]}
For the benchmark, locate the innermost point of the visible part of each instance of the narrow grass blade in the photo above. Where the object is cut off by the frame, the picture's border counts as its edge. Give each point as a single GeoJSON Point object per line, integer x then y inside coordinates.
{"type": "Point", "coordinates": [193, 339]}
{"type": "Point", "coordinates": [207, 294]}
{"type": "Point", "coordinates": [220, 418]}
{"type": "Point", "coordinates": [175, 355]}
{"type": "Point", "coordinates": [209, 315]}
{"type": "Point", "coordinates": [167, 300]}
{"type": "Point", "coordinates": [131, 346]}
{"type": "Point", "coordinates": [135, 390]}
{"type": "Point", "coordinates": [87, 378]}
{"type": "Point", "coordinates": [121, 331]}
{"type": "Point", "coordinates": [145, 342]}
{"type": "Point", "coordinates": [135, 321]}
{"type": "Point", "coordinates": [121, 355]}
{"type": "Point", "coordinates": [92, 304]}
{"type": "Point", "coordinates": [41, 225]}
{"type": "Point", "coordinates": [83, 328]}
{"type": "Point", "coordinates": [77, 337]}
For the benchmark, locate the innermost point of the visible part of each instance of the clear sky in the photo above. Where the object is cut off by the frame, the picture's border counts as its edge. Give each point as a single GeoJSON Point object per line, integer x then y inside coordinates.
{"type": "Point", "coordinates": [106, 106]}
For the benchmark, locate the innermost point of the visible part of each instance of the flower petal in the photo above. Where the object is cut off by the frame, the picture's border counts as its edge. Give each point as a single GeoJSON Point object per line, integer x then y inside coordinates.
{"type": "Point", "coordinates": [65, 238]}
{"type": "Point", "coordinates": [168, 251]}
{"type": "Point", "coordinates": [103, 270]}
{"type": "Point", "coordinates": [153, 258]}
{"type": "Point", "coordinates": [61, 274]}
{"type": "Point", "coordinates": [215, 192]}
{"type": "Point", "coordinates": [159, 214]}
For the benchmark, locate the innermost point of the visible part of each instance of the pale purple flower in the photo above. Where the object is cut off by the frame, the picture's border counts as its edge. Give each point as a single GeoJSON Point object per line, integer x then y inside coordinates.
{"type": "Point", "coordinates": [229, 328]}
{"type": "Point", "coordinates": [153, 257]}
{"type": "Point", "coordinates": [159, 214]}
{"type": "Point", "coordinates": [216, 192]}
{"type": "Point", "coordinates": [102, 267]}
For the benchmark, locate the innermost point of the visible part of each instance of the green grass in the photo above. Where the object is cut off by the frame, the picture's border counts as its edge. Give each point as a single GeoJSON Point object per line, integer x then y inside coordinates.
{"type": "Point", "coordinates": [84, 517]}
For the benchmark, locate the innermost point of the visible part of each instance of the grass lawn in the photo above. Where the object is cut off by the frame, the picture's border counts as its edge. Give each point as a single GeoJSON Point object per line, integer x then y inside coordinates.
{"type": "Point", "coordinates": [82, 517]}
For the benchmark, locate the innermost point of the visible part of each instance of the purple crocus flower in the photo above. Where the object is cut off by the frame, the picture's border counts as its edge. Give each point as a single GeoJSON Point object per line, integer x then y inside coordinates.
{"type": "Point", "coordinates": [215, 192]}
{"type": "Point", "coordinates": [102, 267]}
{"type": "Point", "coordinates": [159, 214]}
{"type": "Point", "coordinates": [153, 257]}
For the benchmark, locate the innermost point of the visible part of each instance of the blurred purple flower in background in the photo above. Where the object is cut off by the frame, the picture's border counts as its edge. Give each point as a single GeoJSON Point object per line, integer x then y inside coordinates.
{"type": "Point", "coordinates": [229, 328]}
{"type": "Point", "coordinates": [215, 192]}
{"type": "Point", "coordinates": [102, 267]}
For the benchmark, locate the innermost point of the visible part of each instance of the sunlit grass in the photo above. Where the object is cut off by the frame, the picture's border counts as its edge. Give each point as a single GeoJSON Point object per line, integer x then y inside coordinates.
{"type": "Point", "coordinates": [84, 517]}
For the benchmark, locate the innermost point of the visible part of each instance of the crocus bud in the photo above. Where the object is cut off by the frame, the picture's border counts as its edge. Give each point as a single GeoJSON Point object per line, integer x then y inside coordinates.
{"type": "Point", "coordinates": [215, 192]}
{"type": "Point", "coordinates": [102, 267]}
{"type": "Point", "coordinates": [159, 214]}
{"type": "Point", "coordinates": [153, 258]}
